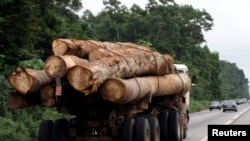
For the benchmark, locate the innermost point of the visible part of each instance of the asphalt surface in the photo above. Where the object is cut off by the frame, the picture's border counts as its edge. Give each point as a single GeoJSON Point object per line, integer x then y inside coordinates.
{"type": "Point", "coordinates": [243, 118]}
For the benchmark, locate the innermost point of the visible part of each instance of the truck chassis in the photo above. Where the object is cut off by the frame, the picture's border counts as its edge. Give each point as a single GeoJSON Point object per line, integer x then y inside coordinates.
{"type": "Point", "coordinates": [161, 119]}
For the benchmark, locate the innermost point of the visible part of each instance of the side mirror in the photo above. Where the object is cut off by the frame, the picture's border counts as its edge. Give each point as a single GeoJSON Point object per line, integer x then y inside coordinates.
{"type": "Point", "coordinates": [194, 80]}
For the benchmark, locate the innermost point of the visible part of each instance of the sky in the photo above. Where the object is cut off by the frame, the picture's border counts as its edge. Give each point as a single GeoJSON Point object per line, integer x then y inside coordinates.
{"type": "Point", "coordinates": [230, 35]}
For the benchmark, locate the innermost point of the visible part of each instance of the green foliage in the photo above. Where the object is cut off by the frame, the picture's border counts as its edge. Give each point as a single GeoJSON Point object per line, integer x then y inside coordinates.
{"type": "Point", "coordinates": [13, 131]}
{"type": "Point", "coordinates": [234, 84]}
{"type": "Point", "coordinates": [27, 29]}
{"type": "Point", "coordinates": [33, 63]}
{"type": "Point", "coordinates": [145, 43]}
{"type": "Point", "coordinates": [5, 89]}
{"type": "Point", "coordinates": [170, 29]}
{"type": "Point", "coordinates": [198, 105]}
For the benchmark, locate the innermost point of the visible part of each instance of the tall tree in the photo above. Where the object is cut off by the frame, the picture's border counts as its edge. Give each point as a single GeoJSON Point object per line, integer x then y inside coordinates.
{"type": "Point", "coordinates": [30, 26]}
{"type": "Point", "coordinates": [173, 29]}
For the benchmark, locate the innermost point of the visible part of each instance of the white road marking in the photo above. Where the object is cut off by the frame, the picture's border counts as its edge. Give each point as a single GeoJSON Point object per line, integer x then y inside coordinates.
{"type": "Point", "coordinates": [204, 139]}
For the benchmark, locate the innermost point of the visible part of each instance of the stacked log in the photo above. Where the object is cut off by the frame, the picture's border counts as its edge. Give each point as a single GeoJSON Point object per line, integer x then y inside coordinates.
{"type": "Point", "coordinates": [118, 72]}
{"type": "Point", "coordinates": [87, 79]}
{"type": "Point", "coordinates": [82, 48]}
{"type": "Point", "coordinates": [47, 96]}
{"type": "Point", "coordinates": [26, 80]}
{"type": "Point", "coordinates": [58, 66]}
{"type": "Point", "coordinates": [16, 100]}
{"type": "Point", "coordinates": [123, 91]}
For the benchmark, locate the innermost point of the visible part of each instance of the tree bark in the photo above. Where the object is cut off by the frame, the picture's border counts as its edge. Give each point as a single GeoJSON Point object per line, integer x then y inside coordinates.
{"type": "Point", "coordinates": [57, 66]}
{"type": "Point", "coordinates": [16, 100]}
{"type": "Point", "coordinates": [98, 54]}
{"type": "Point", "coordinates": [82, 48]}
{"type": "Point", "coordinates": [79, 48]}
{"type": "Point", "coordinates": [28, 80]}
{"type": "Point", "coordinates": [123, 91]}
{"type": "Point", "coordinates": [88, 79]}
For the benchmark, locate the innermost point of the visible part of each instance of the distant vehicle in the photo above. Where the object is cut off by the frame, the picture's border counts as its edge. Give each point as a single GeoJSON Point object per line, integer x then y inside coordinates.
{"type": "Point", "coordinates": [240, 101]}
{"type": "Point", "coordinates": [244, 100]}
{"type": "Point", "coordinates": [222, 102]}
{"type": "Point", "coordinates": [214, 105]}
{"type": "Point", "coordinates": [230, 106]}
{"type": "Point", "coordinates": [237, 101]}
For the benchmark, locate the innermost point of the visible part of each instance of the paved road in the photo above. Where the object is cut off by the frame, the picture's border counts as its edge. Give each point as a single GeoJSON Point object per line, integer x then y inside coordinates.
{"type": "Point", "coordinates": [244, 118]}
{"type": "Point", "coordinates": [198, 125]}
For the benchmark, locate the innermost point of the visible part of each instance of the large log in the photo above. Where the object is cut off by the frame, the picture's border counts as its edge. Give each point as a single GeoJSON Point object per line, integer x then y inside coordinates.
{"type": "Point", "coordinates": [16, 100]}
{"type": "Point", "coordinates": [26, 80]}
{"type": "Point", "coordinates": [88, 79]}
{"type": "Point", "coordinates": [124, 91]}
{"type": "Point", "coordinates": [57, 66]}
{"type": "Point", "coordinates": [81, 48]}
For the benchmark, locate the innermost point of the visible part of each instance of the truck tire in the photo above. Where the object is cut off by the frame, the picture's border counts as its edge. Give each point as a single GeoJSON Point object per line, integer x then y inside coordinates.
{"type": "Point", "coordinates": [174, 123]}
{"type": "Point", "coordinates": [182, 129]}
{"type": "Point", "coordinates": [163, 121]}
{"type": "Point", "coordinates": [184, 133]}
{"type": "Point", "coordinates": [60, 130]}
{"type": "Point", "coordinates": [142, 129]}
{"type": "Point", "coordinates": [44, 132]}
{"type": "Point", "coordinates": [185, 117]}
{"type": "Point", "coordinates": [127, 130]}
{"type": "Point", "coordinates": [154, 129]}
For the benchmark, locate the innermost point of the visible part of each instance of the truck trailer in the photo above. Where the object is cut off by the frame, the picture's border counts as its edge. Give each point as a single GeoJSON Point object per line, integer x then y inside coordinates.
{"type": "Point", "coordinates": [125, 92]}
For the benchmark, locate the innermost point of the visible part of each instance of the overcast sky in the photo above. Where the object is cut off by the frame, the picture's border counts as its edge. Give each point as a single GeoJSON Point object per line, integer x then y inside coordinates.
{"type": "Point", "coordinates": [230, 36]}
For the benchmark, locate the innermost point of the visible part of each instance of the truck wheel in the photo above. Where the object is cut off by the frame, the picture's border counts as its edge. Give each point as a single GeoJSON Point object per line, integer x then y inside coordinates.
{"type": "Point", "coordinates": [154, 129]}
{"type": "Point", "coordinates": [163, 121]}
{"type": "Point", "coordinates": [184, 133]}
{"type": "Point", "coordinates": [142, 129]}
{"type": "Point", "coordinates": [44, 132]}
{"type": "Point", "coordinates": [60, 130]}
{"type": "Point", "coordinates": [174, 122]}
{"type": "Point", "coordinates": [185, 119]}
{"type": "Point", "coordinates": [127, 130]}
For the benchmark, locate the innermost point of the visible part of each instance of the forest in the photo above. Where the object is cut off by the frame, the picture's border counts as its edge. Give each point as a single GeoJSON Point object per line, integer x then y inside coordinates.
{"type": "Point", "coordinates": [27, 29]}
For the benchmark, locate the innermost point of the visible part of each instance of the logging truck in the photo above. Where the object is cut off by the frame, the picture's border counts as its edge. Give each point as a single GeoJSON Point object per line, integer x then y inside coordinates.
{"type": "Point", "coordinates": [115, 91]}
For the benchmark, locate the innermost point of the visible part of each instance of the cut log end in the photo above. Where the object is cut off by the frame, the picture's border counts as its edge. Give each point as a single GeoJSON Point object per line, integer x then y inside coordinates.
{"type": "Point", "coordinates": [47, 92]}
{"type": "Point", "coordinates": [47, 96]}
{"type": "Point", "coordinates": [48, 102]}
{"type": "Point", "coordinates": [59, 47]}
{"type": "Point", "coordinates": [112, 90]}
{"type": "Point", "coordinates": [55, 66]}
{"type": "Point", "coordinates": [21, 81]}
{"type": "Point", "coordinates": [14, 101]}
{"type": "Point", "coordinates": [95, 55]}
{"type": "Point", "coordinates": [80, 78]}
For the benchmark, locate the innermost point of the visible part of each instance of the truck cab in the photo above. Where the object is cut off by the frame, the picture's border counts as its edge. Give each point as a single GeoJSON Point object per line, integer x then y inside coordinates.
{"type": "Point", "coordinates": [181, 68]}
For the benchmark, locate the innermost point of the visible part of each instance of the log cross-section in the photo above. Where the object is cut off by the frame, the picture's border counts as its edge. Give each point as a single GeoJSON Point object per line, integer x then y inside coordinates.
{"type": "Point", "coordinates": [16, 100]}
{"type": "Point", "coordinates": [57, 66]}
{"type": "Point", "coordinates": [26, 80]}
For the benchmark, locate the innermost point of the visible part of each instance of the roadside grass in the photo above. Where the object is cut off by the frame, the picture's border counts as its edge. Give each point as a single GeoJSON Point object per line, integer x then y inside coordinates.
{"type": "Point", "coordinates": [198, 105]}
